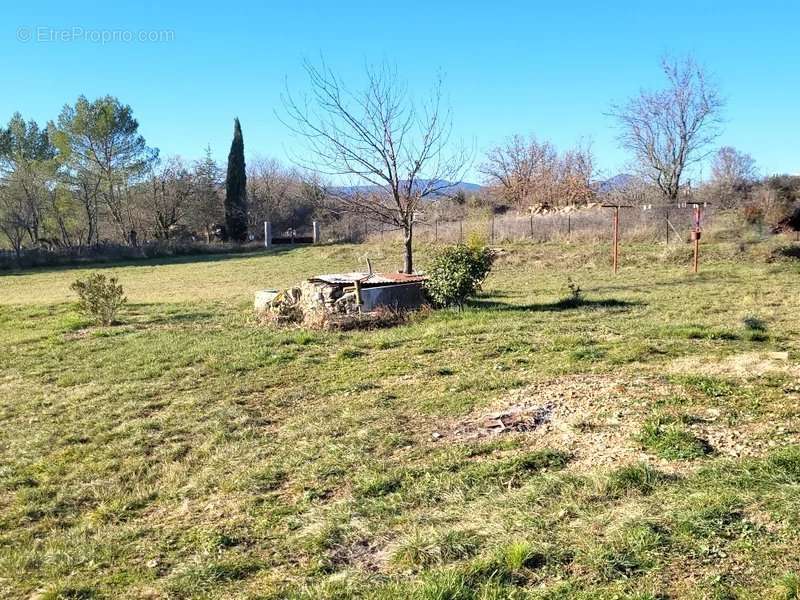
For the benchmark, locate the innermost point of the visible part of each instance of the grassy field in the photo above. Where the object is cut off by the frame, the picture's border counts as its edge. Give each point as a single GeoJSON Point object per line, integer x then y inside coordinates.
{"type": "Point", "coordinates": [191, 452]}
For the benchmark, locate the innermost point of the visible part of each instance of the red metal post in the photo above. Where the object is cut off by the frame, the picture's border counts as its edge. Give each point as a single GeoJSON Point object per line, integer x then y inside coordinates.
{"type": "Point", "coordinates": [616, 240]}
{"type": "Point", "coordinates": [696, 236]}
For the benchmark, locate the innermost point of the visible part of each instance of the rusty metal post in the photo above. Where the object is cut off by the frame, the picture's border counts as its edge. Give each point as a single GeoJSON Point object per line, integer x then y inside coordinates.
{"type": "Point", "coordinates": [696, 236]}
{"type": "Point", "coordinates": [531, 226]}
{"type": "Point", "coordinates": [569, 226]}
{"type": "Point", "coordinates": [461, 232]}
{"type": "Point", "coordinates": [616, 239]}
{"type": "Point", "coordinates": [436, 230]}
{"type": "Point", "coordinates": [666, 223]}
{"type": "Point", "coordinates": [493, 228]}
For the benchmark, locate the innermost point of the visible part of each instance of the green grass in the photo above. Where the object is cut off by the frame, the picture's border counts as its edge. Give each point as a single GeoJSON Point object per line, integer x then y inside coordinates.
{"type": "Point", "coordinates": [191, 452]}
{"type": "Point", "coordinates": [669, 438]}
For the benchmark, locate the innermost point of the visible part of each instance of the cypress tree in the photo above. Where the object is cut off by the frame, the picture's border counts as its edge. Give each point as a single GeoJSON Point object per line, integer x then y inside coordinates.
{"type": "Point", "coordinates": [236, 189]}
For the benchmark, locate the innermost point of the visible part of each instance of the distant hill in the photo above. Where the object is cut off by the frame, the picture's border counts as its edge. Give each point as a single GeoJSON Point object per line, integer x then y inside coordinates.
{"type": "Point", "coordinates": [453, 188]}
{"type": "Point", "coordinates": [620, 181]}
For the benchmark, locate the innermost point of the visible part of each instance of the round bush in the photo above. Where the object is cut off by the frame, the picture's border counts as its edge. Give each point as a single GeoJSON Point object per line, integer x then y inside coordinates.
{"type": "Point", "coordinates": [456, 273]}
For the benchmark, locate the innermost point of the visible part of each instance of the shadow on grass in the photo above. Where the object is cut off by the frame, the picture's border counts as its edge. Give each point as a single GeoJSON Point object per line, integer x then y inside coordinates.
{"type": "Point", "coordinates": [561, 305]}
{"type": "Point", "coordinates": [792, 251]}
{"type": "Point", "coordinates": [113, 263]}
{"type": "Point", "coordinates": [141, 314]}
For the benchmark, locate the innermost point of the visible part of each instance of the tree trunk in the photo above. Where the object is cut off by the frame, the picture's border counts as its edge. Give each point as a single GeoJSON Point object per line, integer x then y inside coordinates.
{"type": "Point", "coordinates": [409, 261]}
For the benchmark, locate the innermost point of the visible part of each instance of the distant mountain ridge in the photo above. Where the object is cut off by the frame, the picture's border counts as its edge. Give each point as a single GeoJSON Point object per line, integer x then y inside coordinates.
{"type": "Point", "coordinates": [452, 188]}
{"type": "Point", "coordinates": [620, 181]}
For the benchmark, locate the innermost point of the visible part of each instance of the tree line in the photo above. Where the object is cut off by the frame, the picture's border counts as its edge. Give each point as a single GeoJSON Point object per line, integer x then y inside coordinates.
{"type": "Point", "coordinates": [379, 153]}
{"type": "Point", "coordinates": [89, 178]}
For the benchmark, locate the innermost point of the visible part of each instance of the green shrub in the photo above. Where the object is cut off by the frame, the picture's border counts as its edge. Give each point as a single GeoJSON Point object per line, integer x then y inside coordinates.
{"type": "Point", "coordinates": [457, 272]}
{"type": "Point", "coordinates": [99, 298]}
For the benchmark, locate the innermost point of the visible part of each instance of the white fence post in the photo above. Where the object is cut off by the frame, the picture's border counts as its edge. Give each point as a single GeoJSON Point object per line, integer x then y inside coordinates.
{"type": "Point", "coordinates": [267, 235]}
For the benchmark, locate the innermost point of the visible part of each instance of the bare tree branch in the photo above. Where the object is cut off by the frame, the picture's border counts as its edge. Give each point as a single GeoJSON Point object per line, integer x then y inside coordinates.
{"type": "Point", "coordinates": [668, 130]}
{"type": "Point", "coordinates": [393, 152]}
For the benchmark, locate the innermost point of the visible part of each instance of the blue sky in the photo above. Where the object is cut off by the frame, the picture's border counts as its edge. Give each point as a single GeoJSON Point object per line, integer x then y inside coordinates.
{"type": "Point", "coordinates": [551, 69]}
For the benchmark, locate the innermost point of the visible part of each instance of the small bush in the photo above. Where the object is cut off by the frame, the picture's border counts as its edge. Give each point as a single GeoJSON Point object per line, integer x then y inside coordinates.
{"type": "Point", "coordinates": [99, 298]}
{"type": "Point", "coordinates": [574, 293]}
{"type": "Point", "coordinates": [457, 272]}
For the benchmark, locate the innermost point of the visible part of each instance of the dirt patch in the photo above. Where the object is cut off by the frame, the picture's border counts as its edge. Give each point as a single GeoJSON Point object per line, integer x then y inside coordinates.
{"type": "Point", "coordinates": [746, 365]}
{"type": "Point", "coordinates": [596, 419]}
{"type": "Point", "coordinates": [592, 417]}
{"type": "Point", "coordinates": [360, 554]}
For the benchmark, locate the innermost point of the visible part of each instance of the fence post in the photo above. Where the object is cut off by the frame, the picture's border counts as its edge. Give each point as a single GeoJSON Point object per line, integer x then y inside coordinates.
{"type": "Point", "coordinates": [315, 232]}
{"type": "Point", "coordinates": [569, 226]}
{"type": "Point", "coordinates": [461, 232]}
{"type": "Point", "coordinates": [436, 230]}
{"type": "Point", "coordinates": [531, 225]}
{"type": "Point", "coordinates": [493, 228]}
{"type": "Point", "coordinates": [267, 235]}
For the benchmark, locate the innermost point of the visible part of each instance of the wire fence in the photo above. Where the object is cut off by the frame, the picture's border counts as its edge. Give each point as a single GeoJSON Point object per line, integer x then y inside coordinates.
{"type": "Point", "coordinates": [644, 224]}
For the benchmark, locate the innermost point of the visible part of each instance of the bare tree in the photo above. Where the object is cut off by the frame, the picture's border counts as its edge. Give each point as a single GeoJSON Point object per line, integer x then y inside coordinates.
{"type": "Point", "coordinates": [670, 129]}
{"type": "Point", "coordinates": [271, 190]}
{"type": "Point", "coordinates": [169, 192]}
{"type": "Point", "coordinates": [732, 176]}
{"type": "Point", "coordinates": [576, 173]}
{"type": "Point", "coordinates": [521, 171]}
{"type": "Point", "coordinates": [399, 151]}
{"type": "Point", "coordinates": [524, 172]}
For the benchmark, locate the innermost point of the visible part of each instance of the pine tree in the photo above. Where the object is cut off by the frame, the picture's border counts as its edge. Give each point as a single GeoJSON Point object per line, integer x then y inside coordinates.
{"type": "Point", "coordinates": [236, 189]}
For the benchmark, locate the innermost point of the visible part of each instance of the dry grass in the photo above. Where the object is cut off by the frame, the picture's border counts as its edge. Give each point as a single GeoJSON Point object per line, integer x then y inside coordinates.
{"type": "Point", "coordinates": [192, 452]}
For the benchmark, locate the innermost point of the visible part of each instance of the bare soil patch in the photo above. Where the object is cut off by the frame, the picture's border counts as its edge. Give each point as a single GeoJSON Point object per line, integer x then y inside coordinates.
{"type": "Point", "coordinates": [596, 419]}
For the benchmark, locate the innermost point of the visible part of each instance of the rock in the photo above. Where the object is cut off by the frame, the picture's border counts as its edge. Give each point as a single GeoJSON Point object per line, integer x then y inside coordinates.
{"type": "Point", "coordinates": [263, 300]}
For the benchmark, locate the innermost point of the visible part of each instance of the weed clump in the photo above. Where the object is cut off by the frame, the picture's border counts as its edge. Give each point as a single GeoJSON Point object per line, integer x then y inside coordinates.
{"type": "Point", "coordinates": [633, 551]}
{"type": "Point", "coordinates": [574, 294]}
{"type": "Point", "coordinates": [755, 328]}
{"type": "Point", "coordinates": [422, 551]}
{"type": "Point", "coordinates": [667, 437]}
{"type": "Point", "coordinates": [639, 477]}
